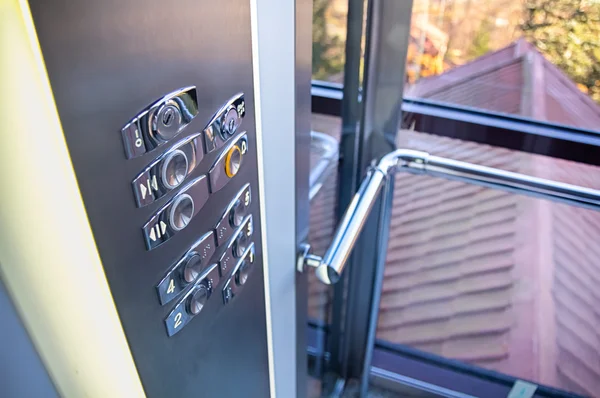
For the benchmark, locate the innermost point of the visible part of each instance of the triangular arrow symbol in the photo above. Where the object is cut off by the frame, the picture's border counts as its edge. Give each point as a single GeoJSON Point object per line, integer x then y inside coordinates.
{"type": "Point", "coordinates": [144, 190]}
{"type": "Point", "coordinates": [152, 236]}
{"type": "Point", "coordinates": [163, 227]}
{"type": "Point", "coordinates": [154, 183]}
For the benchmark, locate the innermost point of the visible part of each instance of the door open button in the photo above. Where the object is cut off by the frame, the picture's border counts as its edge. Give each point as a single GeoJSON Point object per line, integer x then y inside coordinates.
{"type": "Point", "coordinates": [181, 212]}
{"type": "Point", "coordinates": [174, 169]}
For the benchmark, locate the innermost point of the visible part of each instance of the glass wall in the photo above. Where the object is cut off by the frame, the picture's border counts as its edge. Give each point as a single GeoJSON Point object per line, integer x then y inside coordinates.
{"type": "Point", "coordinates": [533, 58]}
{"type": "Point", "coordinates": [329, 39]}
{"type": "Point", "coordinates": [493, 279]}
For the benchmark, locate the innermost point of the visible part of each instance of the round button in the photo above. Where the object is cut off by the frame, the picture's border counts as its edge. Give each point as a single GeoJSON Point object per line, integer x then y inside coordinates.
{"type": "Point", "coordinates": [233, 160]}
{"type": "Point", "coordinates": [182, 211]}
{"type": "Point", "coordinates": [167, 121]}
{"type": "Point", "coordinates": [174, 169]}
{"type": "Point", "coordinates": [237, 214]}
{"type": "Point", "coordinates": [193, 268]}
{"type": "Point", "coordinates": [242, 275]}
{"type": "Point", "coordinates": [231, 122]}
{"type": "Point", "coordinates": [240, 245]}
{"type": "Point", "coordinates": [198, 299]}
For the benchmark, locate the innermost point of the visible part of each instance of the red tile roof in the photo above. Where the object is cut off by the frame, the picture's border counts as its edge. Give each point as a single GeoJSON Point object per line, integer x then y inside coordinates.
{"type": "Point", "coordinates": [505, 282]}
{"type": "Point", "coordinates": [517, 80]}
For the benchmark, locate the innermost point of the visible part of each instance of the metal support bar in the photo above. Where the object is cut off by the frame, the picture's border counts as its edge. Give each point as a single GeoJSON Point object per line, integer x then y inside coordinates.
{"type": "Point", "coordinates": [330, 267]}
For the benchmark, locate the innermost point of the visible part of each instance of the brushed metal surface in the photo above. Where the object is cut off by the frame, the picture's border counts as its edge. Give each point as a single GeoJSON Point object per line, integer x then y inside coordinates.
{"type": "Point", "coordinates": [106, 61]}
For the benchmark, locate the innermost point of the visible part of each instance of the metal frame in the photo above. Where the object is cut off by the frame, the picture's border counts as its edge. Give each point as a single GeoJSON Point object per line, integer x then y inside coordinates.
{"type": "Point", "coordinates": [442, 373]}
{"type": "Point", "coordinates": [481, 126]}
{"type": "Point", "coordinates": [379, 117]}
{"type": "Point", "coordinates": [282, 82]}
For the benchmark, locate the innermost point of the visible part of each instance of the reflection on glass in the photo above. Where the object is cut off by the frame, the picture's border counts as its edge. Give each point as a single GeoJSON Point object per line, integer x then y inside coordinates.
{"type": "Point", "coordinates": [534, 58]}
{"type": "Point", "coordinates": [505, 282]}
{"type": "Point", "coordinates": [329, 39]}
{"type": "Point", "coordinates": [322, 222]}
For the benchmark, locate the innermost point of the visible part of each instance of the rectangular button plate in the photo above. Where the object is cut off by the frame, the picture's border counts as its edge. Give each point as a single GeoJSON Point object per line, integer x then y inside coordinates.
{"type": "Point", "coordinates": [231, 287]}
{"type": "Point", "coordinates": [148, 186]}
{"type": "Point", "coordinates": [214, 137]}
{"type": "Point", "coordinates": [158, 230]}
{"type": "Point", "coordinates": [228, 259]}
{"type": "Point", "coordinates": [179, 316]}
{"type": "Point", "coordinates": [173, 283]}
{"type": "Point", "coordinates": [218, 177]}
{"type": "Point", "coordinates": [138, 137]}
{"type": "Point", "coordinates": [224, 229]}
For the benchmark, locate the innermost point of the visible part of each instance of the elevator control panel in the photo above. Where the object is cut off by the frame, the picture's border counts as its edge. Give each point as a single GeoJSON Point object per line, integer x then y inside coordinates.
{"type": "Point", "coordinates": [159, 116]}
{"type": "Point", "coordinates": [192, 170]}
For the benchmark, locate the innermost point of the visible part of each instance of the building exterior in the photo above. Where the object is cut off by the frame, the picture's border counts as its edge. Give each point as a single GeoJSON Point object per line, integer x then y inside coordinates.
{"type": "Point", "coordinates": [505, 282]}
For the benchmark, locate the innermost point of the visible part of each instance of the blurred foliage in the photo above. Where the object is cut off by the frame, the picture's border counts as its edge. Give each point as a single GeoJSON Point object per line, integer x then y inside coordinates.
{"type": "Point", "coordinates": [481, 42]}
{"type": "Point", "coordinates": [328, 49]}
{"type": "Point", "coordinates": [567, 32]}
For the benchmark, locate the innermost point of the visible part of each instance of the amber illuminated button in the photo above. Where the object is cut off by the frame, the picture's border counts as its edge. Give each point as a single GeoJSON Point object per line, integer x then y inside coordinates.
{"type": "Point", "coordinates": [233, 161]}
{"type": "Point", "coordinates": [228, 164]}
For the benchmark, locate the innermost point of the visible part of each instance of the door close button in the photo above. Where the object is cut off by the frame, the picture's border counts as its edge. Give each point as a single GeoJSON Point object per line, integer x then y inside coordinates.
{"type": "Point", "coordinates": [181, 212]}
{"type": "Point", "coordinates": [177, 213]}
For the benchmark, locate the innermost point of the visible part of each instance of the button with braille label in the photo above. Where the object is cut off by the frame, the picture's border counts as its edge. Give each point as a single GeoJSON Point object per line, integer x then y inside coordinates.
{"type": "Point", "coordinates": [229, 257]}
{"type": "Point", "coordinates": [193, 302]}
{"type": "Point", "coordinates": [233, 216]}
{"type": "Point", "coordinates": [187, 269]}
{"type": "Point", "coordinates": [239, 275]}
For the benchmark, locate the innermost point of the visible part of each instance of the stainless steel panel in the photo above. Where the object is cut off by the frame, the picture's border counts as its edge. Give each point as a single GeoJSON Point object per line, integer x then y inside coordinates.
{"type": "Point", "coordinates": [107, 60]}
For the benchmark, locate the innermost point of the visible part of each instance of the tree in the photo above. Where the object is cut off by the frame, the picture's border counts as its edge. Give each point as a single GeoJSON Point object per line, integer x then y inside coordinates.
{"type": "Point", "coordinates": [328, 50]}
{"type": "Point", "coordinates": [481, 41]}
{"type": "Point", "coordinates": [567, 32]}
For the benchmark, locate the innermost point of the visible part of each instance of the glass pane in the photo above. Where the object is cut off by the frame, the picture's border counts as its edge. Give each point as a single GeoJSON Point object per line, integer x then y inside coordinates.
{"type": "Point", "coordinates": [323, 207]}
{"type": "Point", "coordinates": [329, 39]}
{"type": "Point", "coordinates": [504, 282]}
{"type": "Point", "coordinates": [533, 58]}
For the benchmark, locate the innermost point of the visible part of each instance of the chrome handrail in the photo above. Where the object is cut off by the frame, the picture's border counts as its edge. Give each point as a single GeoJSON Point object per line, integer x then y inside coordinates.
{"type": "Point", "coordinates": [331, 265]}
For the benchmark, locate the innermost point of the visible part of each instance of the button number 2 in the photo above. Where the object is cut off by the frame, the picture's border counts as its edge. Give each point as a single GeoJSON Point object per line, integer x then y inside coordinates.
{"type": "Point", "coordinates": [177, 320]}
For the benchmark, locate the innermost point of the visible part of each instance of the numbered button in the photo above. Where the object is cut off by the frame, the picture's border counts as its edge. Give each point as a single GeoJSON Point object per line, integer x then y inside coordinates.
{"type": "Point", "coordinates": [187, 269]}
{"type": "Point", "coordinates": [240, 275]}
{"type": "Point", "coordinates": [228, 163]}
{"type": "Point", "coordinates": [193, 302]}
{"type": "Point", "coordinates": [234, 214]}
{"type": "Point", "coordinates": [230, 256]}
